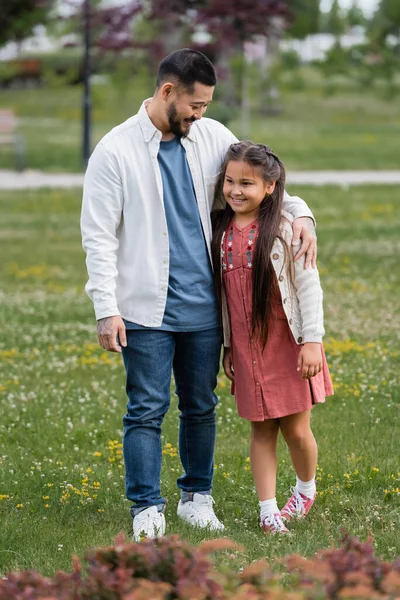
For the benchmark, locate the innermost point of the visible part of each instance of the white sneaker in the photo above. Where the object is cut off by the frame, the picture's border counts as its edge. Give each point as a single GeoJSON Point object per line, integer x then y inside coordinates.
{"type": "Point", "coordinates": [199, 512]}
{"type": "Point", "coordinates": [149, 523]}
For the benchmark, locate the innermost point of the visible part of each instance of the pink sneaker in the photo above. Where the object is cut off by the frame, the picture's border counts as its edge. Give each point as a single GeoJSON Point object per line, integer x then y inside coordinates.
{"type": "Point", "coordinates": [297, 506]}
{"type": "Point", "coordinates": [274, 524]}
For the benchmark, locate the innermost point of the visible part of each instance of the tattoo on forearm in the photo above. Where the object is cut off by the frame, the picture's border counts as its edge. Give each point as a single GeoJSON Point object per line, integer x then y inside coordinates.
{"type": "Point", "coordinates": [104, 326]}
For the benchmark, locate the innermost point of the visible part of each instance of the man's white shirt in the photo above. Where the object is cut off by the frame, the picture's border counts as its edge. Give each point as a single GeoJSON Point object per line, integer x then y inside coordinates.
{"type": "Point", "coordinates": [123, 222]}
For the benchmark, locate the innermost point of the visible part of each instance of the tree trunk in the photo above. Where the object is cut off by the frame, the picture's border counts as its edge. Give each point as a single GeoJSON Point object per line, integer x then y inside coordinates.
{"type": "Point", "coordinates": [226, 85]}
{"type": "Point", "coordinates": [269, 100]}
{"type": "Point", "coordinates": [172, 34]}
{"type": "Point", "coordinates": [245, 99]}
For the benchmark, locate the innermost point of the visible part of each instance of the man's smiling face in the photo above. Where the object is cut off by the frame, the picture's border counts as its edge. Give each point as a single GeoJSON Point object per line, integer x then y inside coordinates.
{"type": "Point", "coordinates": [185, 108]}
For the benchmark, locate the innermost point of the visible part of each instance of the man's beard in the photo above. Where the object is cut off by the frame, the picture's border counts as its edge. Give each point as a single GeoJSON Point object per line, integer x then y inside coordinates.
{"type": "Point", "coordinates": [175, 124]}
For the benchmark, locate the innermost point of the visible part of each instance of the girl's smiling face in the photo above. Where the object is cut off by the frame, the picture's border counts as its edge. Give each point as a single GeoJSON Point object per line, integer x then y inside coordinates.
{"type": "Point", "coordinates": [244, 189]}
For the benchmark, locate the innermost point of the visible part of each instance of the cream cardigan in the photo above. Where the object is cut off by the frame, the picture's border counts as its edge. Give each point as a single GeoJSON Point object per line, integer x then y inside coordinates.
{"type": "Point", "coordinates": [301, 293]}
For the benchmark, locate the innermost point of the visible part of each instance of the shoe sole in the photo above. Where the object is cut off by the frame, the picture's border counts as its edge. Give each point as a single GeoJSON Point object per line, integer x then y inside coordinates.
{"type": "Point", "coordinates": [208, 527]}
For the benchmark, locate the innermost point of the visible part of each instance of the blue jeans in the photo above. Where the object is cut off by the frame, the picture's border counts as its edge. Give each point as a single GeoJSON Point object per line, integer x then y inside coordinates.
{"type": "Point", "coordinates": [149, 358]}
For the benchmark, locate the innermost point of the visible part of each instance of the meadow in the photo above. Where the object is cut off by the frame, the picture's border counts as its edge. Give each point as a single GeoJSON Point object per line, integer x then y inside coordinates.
{"type": "Point", "coordinates": [62, 397]}
{"type": "Point", "coordinates": [351, 129]}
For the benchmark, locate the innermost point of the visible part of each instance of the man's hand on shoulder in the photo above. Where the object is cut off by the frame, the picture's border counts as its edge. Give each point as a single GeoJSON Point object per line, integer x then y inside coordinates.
{"type": "Point", "coordinates": [108, 329]}
{"type": "Point", "coordinates": [304, 229]}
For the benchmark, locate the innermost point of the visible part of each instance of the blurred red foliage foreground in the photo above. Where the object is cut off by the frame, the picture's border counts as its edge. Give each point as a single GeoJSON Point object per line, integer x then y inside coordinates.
{"type": "Point", "coordinates": [171, 568]}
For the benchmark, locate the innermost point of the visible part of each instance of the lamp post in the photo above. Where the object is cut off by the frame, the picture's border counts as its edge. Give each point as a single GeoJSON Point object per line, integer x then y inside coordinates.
{"type": "Point", "coordinates": [86, 84]}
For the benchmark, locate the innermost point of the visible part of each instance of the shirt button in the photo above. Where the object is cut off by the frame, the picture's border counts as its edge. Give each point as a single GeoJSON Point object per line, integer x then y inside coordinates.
{"type": "Point", "coordinates": [284, 300]}
{"type": "Point", "coordinates": [164, 233]}
{"type": "Point", "coordinates": [275, 256]}
{"type": "Point", "coordinates": [290, 321]}
{"type": "Point", "coordinates": [300, 339]}
{"type": "Point", "coordinates": [241, 277]}
{"type": "Point", "coordinates": [257, 383]}
{"type": "Point", "coordinates": [165, 262]}
{"type": "Point", "coordinates": [254, 362]}
{"type": "Point", "coordinates": [239, 254]}
{"type": "Point", "coordinates": [240, 233]}
{"type": "Point", "coordinates": [163, 287]}
{"type": "Point", "coordinates": [281, 278]}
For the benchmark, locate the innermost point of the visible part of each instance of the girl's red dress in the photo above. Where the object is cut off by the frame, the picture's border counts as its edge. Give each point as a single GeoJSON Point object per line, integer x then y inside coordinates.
{"type": "Point", "coordinates": [267, 383]}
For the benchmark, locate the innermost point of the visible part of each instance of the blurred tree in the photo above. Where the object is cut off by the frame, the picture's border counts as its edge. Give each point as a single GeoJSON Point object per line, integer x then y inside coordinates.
{"type": "Point", "coordinates": [19, 17]}
{"type": "Point", "coordinates": [175, 19]}
{"type": "Point", "coordinates": [355, 16]}
{"type": "Point", "coordinates": [334, 21]}
{"type": "Point", "coordinates": [237, 22]}
{"type": "Point", "coordinates": [113, 25]}
{"type": "Point", "coordinates": [336, 64]}
{"type": "Point", "coordinates": [232, 24]}
{"type": "Point", "coordinates": [386, 20]}
{"type": "Point", "coordinates": [384, 44]}
{"type": "Point", "coordinates": [305, 18]}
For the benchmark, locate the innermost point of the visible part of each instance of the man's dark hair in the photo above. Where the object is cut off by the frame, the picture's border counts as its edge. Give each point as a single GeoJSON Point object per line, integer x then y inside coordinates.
{"type": "Point", "coordinates": [187, 66]}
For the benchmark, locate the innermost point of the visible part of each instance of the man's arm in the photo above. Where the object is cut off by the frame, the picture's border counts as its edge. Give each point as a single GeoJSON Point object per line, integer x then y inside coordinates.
{"type": "Point", "coordinates": [303, 229]}
{"type": "Point", "coordinates": [100, 218]}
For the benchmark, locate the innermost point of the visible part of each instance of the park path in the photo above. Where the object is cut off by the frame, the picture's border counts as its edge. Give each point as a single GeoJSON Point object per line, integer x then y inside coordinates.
{"type": "Point", "coordinates": [12, 180]}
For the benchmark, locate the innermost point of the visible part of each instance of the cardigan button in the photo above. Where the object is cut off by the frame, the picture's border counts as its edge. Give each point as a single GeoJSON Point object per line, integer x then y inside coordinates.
{"type": "Point", "coordinates": [300, 339]}
{"type": "Point", "coordinates": [275, 256]}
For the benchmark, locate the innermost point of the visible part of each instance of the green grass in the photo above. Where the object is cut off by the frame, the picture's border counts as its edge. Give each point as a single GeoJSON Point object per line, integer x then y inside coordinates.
{"type": "Point", "coordinates": [62, 398]}
{"type": "Point", "coordinates": [353, 129]}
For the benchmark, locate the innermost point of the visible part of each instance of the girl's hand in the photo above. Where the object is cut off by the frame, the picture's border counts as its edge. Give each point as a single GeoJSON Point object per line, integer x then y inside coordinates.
{"type": "Point", "coordinates": [228, 365]}
{"type": "Point", "coordinates": [309, 362]}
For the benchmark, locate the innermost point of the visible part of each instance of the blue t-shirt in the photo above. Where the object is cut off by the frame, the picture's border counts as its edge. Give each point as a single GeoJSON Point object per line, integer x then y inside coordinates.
{"type": "Point", "coordinates": [191, 303]}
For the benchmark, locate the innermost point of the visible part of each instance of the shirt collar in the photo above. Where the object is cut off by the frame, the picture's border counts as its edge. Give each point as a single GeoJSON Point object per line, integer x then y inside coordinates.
{"type": "Point", "coordinates": [148, 128]}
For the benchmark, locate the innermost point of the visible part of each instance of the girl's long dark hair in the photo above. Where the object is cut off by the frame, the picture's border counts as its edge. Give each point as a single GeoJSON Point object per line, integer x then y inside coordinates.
{"type": "Point", "coordinates": [271, 169]}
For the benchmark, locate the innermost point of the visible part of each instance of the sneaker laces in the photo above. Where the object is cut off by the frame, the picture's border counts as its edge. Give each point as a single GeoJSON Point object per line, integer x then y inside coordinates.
{"type": "Point", "coordinates": [205, 510]}
{"type": "Point", "coordinates": [274, 521]}
{"type": "Point", "coordinates": [295, 505]}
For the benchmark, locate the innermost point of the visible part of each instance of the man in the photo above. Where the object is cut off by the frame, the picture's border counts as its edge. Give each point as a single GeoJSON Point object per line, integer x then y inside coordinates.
{"type": "Point", "coordinates": [146, 230]}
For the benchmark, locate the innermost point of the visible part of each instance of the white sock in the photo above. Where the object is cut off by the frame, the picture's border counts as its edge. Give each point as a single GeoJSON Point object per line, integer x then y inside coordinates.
{"type": "Point", "coordinates": [268, 508]}
{"type": "Point", "coordinates": [307, 488]}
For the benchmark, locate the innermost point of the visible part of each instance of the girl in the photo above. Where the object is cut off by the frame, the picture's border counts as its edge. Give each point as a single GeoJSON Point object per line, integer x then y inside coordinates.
{"type": "Point", "coordinates": [273, 325]}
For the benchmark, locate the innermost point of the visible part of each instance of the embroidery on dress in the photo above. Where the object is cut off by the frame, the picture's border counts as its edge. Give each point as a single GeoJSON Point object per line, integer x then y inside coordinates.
{"type": "Point", "coordinates": [250, 242]}
{"type": "Point", "coordinates": [229, 249]}
{"type": "Point", "coordinates": [230, 253]}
